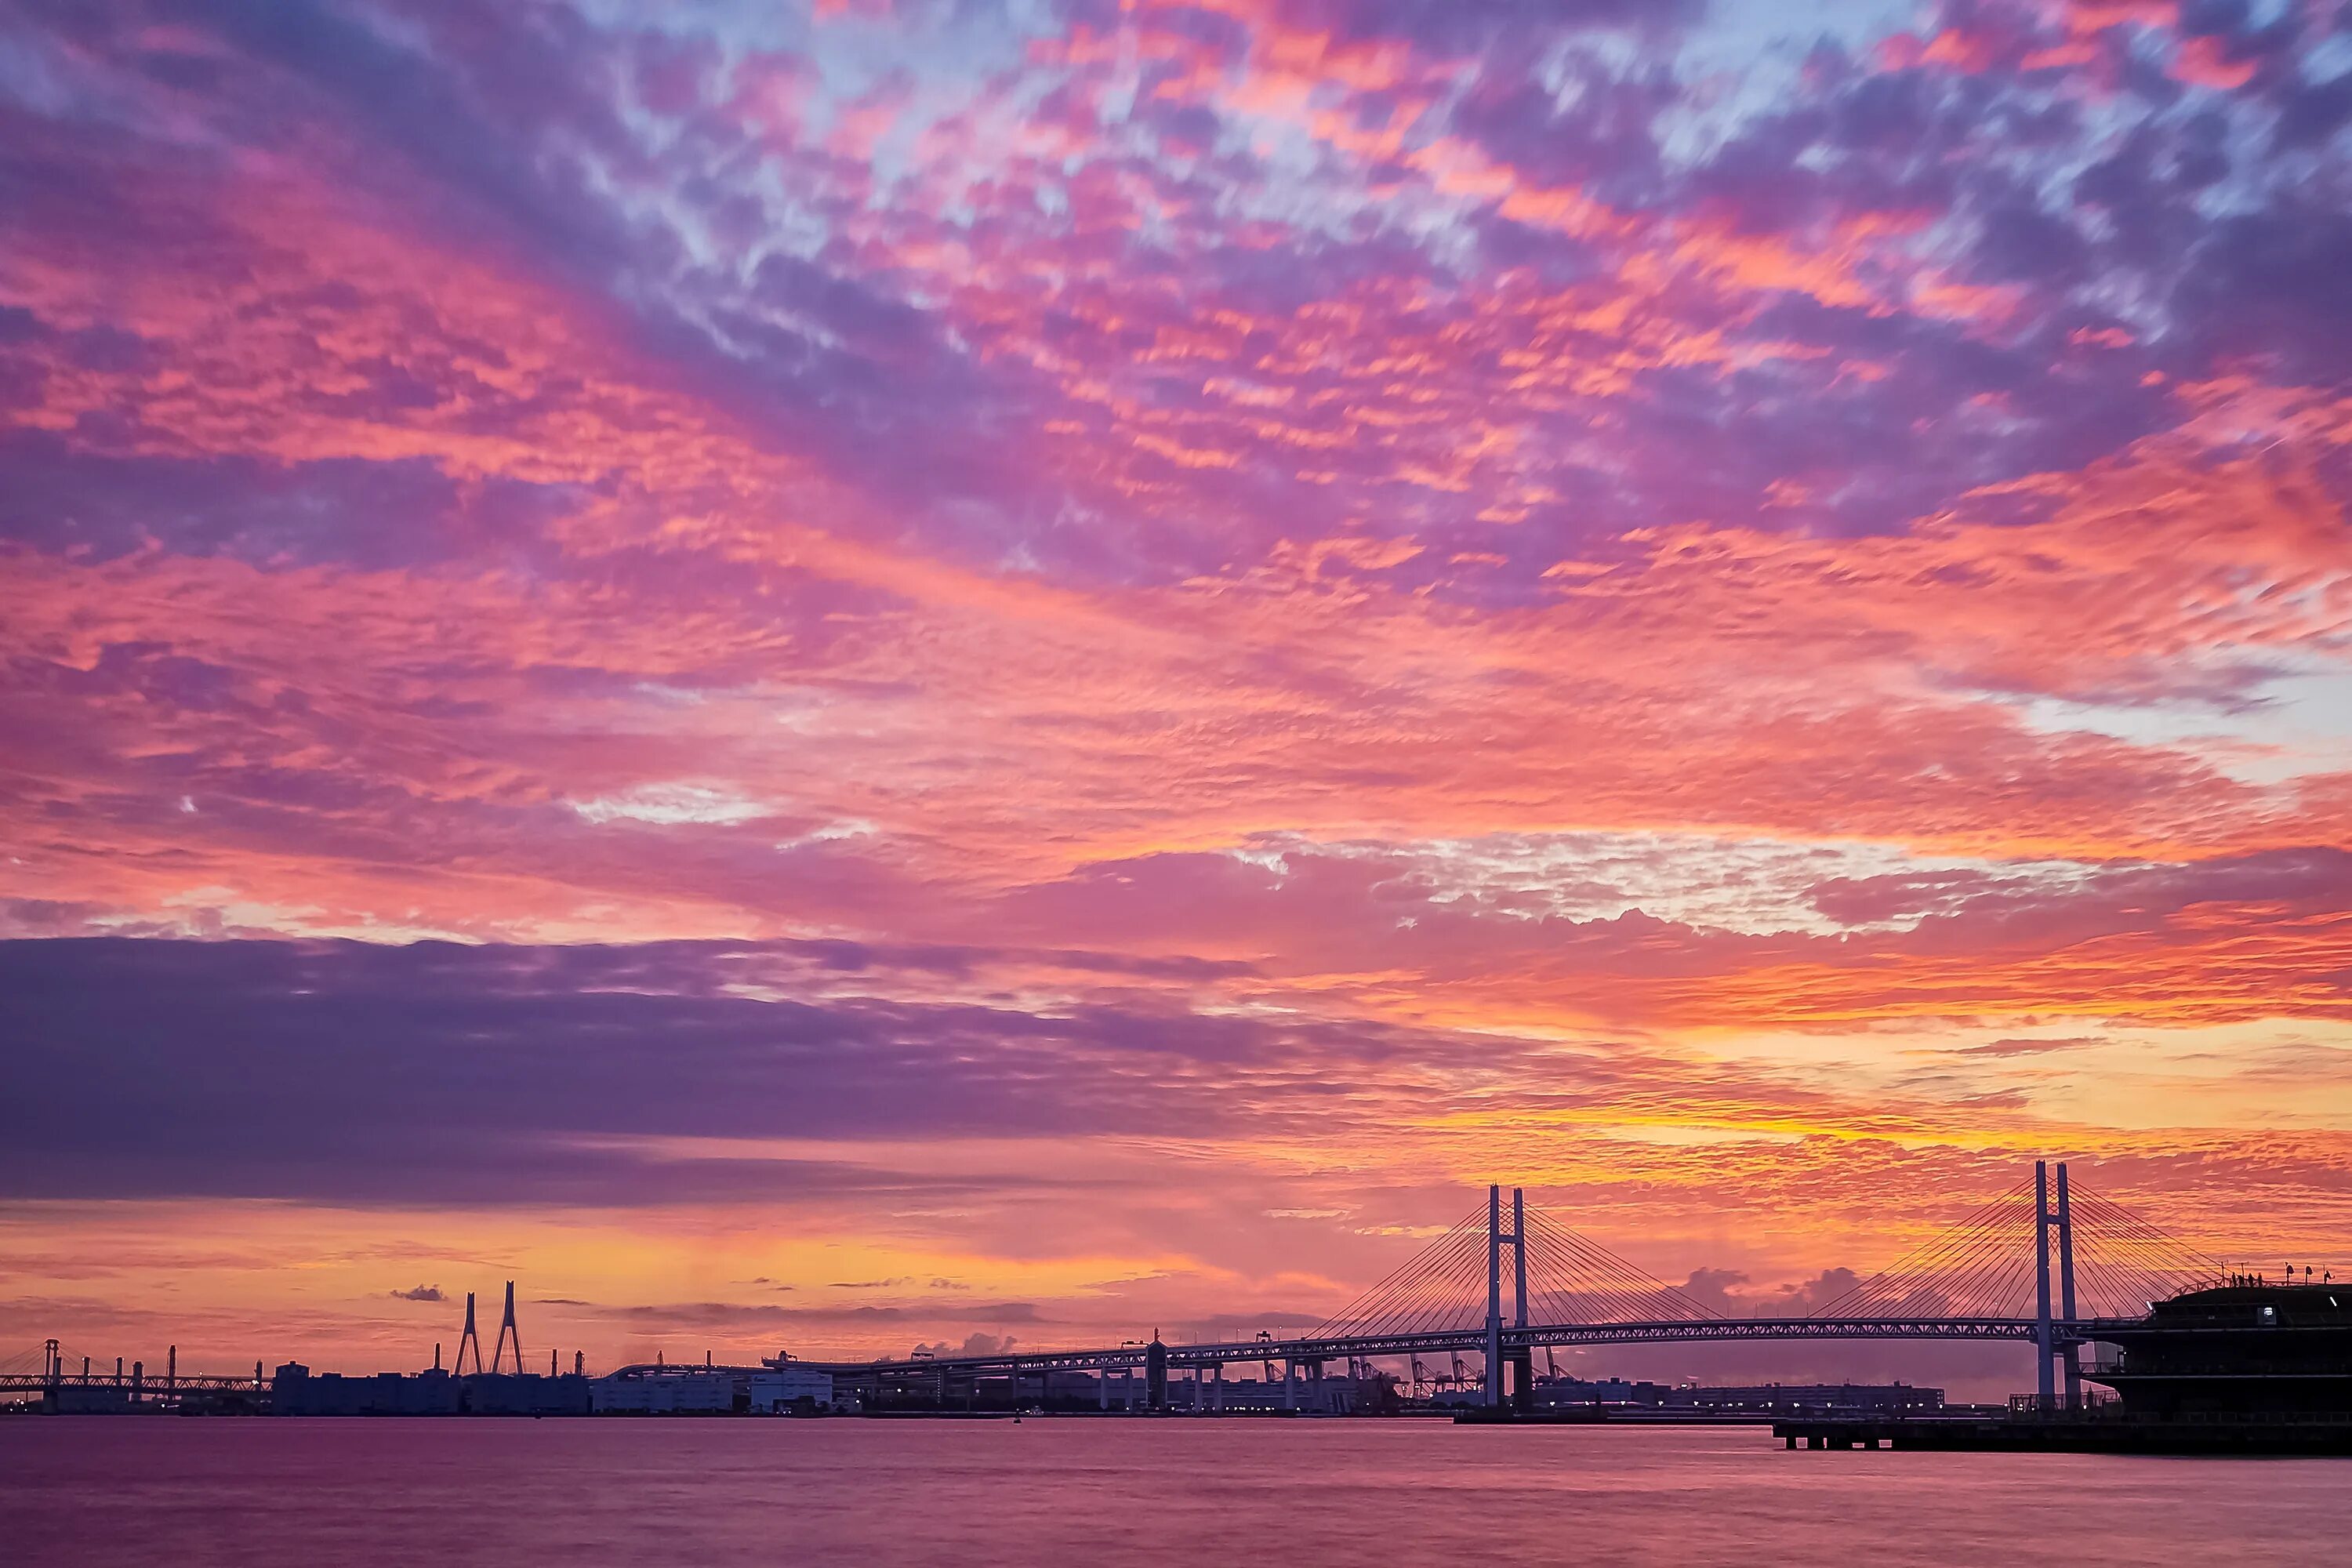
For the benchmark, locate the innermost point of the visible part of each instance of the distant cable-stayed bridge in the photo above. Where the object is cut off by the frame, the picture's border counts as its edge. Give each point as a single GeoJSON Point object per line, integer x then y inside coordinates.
{"type": "Point", "coordinates": [2043, 1264]}
{"type": "Point", "coordinates": [2048, 1268]}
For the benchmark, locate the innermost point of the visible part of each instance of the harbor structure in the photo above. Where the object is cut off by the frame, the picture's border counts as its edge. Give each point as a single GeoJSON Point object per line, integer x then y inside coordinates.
{"type": "Point", "coordinates": [2245, 1351]}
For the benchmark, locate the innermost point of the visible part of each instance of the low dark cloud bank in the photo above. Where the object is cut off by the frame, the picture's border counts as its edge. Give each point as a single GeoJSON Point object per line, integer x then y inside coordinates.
{"type": "Point", "coordinates": [442, 1074]}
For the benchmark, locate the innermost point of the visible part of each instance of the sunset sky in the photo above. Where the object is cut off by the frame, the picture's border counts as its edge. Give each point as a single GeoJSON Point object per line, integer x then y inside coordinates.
{"type": "Point", "coordinates": [828, 679]}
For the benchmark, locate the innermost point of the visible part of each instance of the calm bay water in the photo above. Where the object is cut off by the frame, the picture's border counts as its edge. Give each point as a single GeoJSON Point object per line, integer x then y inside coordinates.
{"type": "Point", "coordinates": [1306, 1494]}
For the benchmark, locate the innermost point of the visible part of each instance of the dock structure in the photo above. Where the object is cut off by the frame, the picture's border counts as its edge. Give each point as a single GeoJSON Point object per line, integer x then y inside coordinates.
{"type": "Point", "coordinates": [2073, 1434]}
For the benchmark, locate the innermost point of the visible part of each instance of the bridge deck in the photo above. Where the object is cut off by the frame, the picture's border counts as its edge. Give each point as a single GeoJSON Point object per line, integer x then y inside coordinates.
{"type": "Point", "coordinates": [1445, 1341]}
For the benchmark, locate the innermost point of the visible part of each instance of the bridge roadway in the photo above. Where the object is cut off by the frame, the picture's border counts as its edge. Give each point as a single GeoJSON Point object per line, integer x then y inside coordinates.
{"type": "Point", "coordinates": [1440, 1342]}
{"type": "Point", "coordinates": [186, 1383]}
{"type": "Point", "coordinates": [1429, 1343]}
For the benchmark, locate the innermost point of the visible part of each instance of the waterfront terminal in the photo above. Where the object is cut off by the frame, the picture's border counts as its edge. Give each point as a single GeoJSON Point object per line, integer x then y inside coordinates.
{"type": "Point", "coordinates": [2247, 1367]}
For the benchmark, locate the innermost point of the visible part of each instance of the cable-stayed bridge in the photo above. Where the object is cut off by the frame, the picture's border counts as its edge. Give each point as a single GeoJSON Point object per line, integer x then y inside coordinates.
{"type": "Point", "coordinates": [2043, 1264]}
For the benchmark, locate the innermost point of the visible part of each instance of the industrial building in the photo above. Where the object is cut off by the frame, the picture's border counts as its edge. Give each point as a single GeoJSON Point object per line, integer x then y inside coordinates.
{"type": "Point", "coordinates": [1305, 1395]}
{"type": "Point", "coordinates": [664, 1393]}
{"type": "Point", "coordinates": [789, 1390]}
{"type": "Point", "coordinates": [295, 1391]}
{"type": "Point", "coordinates": [1752, 1399]}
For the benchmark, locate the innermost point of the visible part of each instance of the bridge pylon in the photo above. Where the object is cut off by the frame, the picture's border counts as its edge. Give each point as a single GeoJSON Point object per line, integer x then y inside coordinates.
{"type": "Point", "coordinates": [469, 1337]}
{"type": "Point", "coordinates": [2052, 1356]}
{"type": "Point", "coordinates": [507, 1329]}
{"type": "Point", "coordinates": [2044, 1350]}
{"type": "Point", "coordinates": [1496, 1238]}
{"type": "Point", "coordinates": [2073, 1348]}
